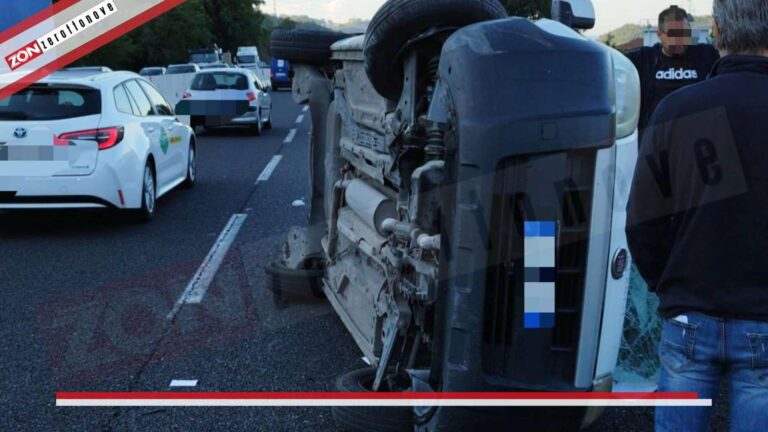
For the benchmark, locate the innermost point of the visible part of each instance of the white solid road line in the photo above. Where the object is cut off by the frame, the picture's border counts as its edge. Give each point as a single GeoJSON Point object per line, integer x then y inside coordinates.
{"type": "Point", "coordinates": [300, 119]}
{"type": "Point", "coordinates": [269, 169]}
{"type": "Point", "coordinates": [183, 383]}
{"type": "Point", "coordinates": [202, 280]}
{"type": "Point", "coordinates": [290, 137]}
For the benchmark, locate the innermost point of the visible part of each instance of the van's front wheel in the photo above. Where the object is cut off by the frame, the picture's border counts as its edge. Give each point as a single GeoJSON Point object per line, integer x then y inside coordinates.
{"type": "Point", "coordinates": [368, 419]}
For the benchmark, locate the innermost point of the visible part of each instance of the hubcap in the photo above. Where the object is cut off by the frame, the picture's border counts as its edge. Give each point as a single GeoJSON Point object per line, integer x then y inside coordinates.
{"type": "Point", "coordinates": [192, 164]}
{"type": "Point", "coordinates": [149, 190]}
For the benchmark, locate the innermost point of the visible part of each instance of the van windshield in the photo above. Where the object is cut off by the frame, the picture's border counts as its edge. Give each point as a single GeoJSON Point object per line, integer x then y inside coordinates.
{"type": "Point", "coordinates": [204, 58]}
{"type": "Point", "coordinates": [180, 69]}
{"type": "Point", "coordinates": [50, 102]}
{"type": "Point", "coordinates": [246, 59]}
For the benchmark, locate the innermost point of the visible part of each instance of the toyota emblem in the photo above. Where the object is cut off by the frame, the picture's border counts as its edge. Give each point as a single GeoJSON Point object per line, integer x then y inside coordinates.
{"type": "Point", "coordinates": [20, 133]}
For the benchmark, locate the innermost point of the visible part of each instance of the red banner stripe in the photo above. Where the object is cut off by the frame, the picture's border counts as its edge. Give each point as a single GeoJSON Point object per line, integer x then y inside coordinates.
{"type": "Point", "coordinates": [377, 396]}
{"type": "Point", "coordinates": [90, 46]}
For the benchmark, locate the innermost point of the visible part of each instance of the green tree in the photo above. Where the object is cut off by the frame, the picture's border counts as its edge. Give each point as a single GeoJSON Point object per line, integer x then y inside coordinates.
{"type": "Point", "coordinates": [528, 8]}
{"type": "Point", "coordinates": [234, 23]}
{"type": "Point", "coordinates": [194, 24]}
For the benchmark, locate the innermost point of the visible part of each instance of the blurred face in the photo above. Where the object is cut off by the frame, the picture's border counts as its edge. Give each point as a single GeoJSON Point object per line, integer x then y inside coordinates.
{"type": "Point", "coordinates": [676, 38]}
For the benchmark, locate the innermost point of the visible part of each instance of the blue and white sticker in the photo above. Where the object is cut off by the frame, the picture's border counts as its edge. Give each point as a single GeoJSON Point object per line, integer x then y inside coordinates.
{"type": "Point", "coordinates": [540, 273]}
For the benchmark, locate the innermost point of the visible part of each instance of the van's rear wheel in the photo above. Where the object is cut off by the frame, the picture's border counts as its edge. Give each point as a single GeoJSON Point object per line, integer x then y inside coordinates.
{"type": "Point", "coordinates": [294, 285]}
{"type": "Point", "coordinates": [397, 21]}
{"type": "Point", "coordinates": [369, 419]}
{"type": "Point", "coordinates": [304, 46]}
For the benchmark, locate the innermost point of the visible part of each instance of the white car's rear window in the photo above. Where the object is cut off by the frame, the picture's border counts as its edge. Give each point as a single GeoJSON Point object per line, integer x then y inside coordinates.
{"type": "Point", "coordinates": [220, 81]}
{"type": "Point", "coordinates": [51, 102]}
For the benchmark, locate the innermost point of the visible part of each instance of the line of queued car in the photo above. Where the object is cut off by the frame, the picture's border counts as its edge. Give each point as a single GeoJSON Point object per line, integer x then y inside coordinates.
{"type": "Point", "coordinates": [92, 139]}
{"type": "Point", "coordinates": [95, 138]}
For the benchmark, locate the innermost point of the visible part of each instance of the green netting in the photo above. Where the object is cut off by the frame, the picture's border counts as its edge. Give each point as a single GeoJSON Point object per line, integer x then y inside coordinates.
{"type": "Point", "coordinates": [638, 358]}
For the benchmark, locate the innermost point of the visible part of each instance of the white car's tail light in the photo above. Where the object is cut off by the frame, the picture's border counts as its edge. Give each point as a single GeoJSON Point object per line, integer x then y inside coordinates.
{"type": "Point", "coordinates": [251, 96]}
{"type": "Point", "coordinates": [106, 137]}
{"type": "Point", "coordinates": [186, 95]}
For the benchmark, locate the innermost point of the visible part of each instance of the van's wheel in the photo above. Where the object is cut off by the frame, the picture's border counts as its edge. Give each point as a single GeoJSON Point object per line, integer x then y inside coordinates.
{"type": "Point", "coordinates": [148, 196]}
{"type": "Point", "coordinates": [369, 419]}
{"type": "Point", "coordinates": [294, 285]}
{"type": "Point", "coordinates": [397, 21]}
{"type": "Point", "coordinates": [304, 46]}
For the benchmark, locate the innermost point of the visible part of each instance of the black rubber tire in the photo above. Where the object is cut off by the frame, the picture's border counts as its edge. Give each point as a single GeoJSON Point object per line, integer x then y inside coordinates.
{"type": "Point", "coordinates": [369, 419]}
{"type": "Point", "coordinates": [146, 213]}
{"type": "Point", "coordinates": [294, 285]}
{"type": "Point", "coordinates": [268, 124]}
{"type": "Point", "coordinates": [397, 21]}
{"type": "Point", "coordinates": [304, 46]}
{"type": "Point", "coordinates": [257, 128]}
{"type": "Point", "coordinates": [191, 179]}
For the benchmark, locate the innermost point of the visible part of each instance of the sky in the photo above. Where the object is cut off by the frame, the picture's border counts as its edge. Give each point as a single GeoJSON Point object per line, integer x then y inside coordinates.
{"type": "Point", "coordinates": [610, 13]}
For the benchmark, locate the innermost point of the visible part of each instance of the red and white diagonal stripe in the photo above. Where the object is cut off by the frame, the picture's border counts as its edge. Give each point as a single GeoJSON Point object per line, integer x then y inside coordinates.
{"type": "Point", "coordinates": [39, 61]}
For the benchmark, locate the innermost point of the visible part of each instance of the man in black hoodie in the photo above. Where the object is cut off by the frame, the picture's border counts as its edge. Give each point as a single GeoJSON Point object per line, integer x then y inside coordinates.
{"type": "Point", "coordinates": [672, 64]}
{"type": "Point", "coordinates": [698, 226]}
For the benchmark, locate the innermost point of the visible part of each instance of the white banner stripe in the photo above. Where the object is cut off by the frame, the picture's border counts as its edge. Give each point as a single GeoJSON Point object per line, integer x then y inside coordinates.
{"type": "Point", "coordinates": [380, 402]}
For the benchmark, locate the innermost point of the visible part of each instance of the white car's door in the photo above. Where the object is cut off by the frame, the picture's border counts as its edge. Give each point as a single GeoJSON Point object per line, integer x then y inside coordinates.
{"type": "Point", "coordinates": [174, 140]}
{"type": "Point", "coordinates": [154, 130]}
{"type": "Point", "coordinates": [265, 100]}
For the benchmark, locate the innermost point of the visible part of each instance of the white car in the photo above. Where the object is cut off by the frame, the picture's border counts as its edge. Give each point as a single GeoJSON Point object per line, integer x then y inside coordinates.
{"type": "Point", "coordinates": [228, 97]}
{"type": "Point", "coordinates": [92, 140]}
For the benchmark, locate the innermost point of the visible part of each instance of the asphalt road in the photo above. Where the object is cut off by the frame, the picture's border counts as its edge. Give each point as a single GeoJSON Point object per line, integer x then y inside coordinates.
{"type": "Point", "coordinates": [89, 302]}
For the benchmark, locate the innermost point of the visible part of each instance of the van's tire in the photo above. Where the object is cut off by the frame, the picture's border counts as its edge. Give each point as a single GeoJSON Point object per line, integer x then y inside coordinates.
{"type": "Point", "coordinates": [397, 21]}
{"type": "Point", "coordinates": [294, 285]}
{"type": "Point", "coordinates": [304, 46]}
{"type": "Point", "coordinates": [368, 419]}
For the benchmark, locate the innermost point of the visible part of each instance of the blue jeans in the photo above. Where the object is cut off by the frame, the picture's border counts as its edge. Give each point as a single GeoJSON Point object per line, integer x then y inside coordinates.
{"type": "Point", "coordinates": [696, 355]}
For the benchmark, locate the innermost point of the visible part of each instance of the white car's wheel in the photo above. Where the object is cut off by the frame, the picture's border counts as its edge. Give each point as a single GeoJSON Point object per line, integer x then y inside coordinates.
{"type": "Point", "coordinates": [189, 182]}
{"type": "Point", "coordinates": [256, 129]}
{"type": "Point", "coordinates": [268, 124]}
{"type": "Point", "coordinates": [148, 196]}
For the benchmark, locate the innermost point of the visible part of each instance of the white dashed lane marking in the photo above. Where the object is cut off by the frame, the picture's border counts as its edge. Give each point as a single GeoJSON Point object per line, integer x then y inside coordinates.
{"type": "Point", "coordinates": [269, 169]}
{"type": "Point", "coordinates": [183, 383]}
{"type": "Point", "coordinates": [300, 119]}
{"type": "Point", "coordinates": [201, 281]}
{"type": "Point", "coordinates": [290, 137]}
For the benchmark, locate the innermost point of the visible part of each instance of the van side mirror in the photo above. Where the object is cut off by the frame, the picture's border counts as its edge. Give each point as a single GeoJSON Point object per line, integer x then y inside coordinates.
{"type": "Point", "coordinates": [577, 14]}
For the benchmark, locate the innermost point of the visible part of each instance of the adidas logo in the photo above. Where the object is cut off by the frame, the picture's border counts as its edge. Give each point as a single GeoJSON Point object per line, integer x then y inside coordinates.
{"type": "Point", "coordinates": [679, 74]}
